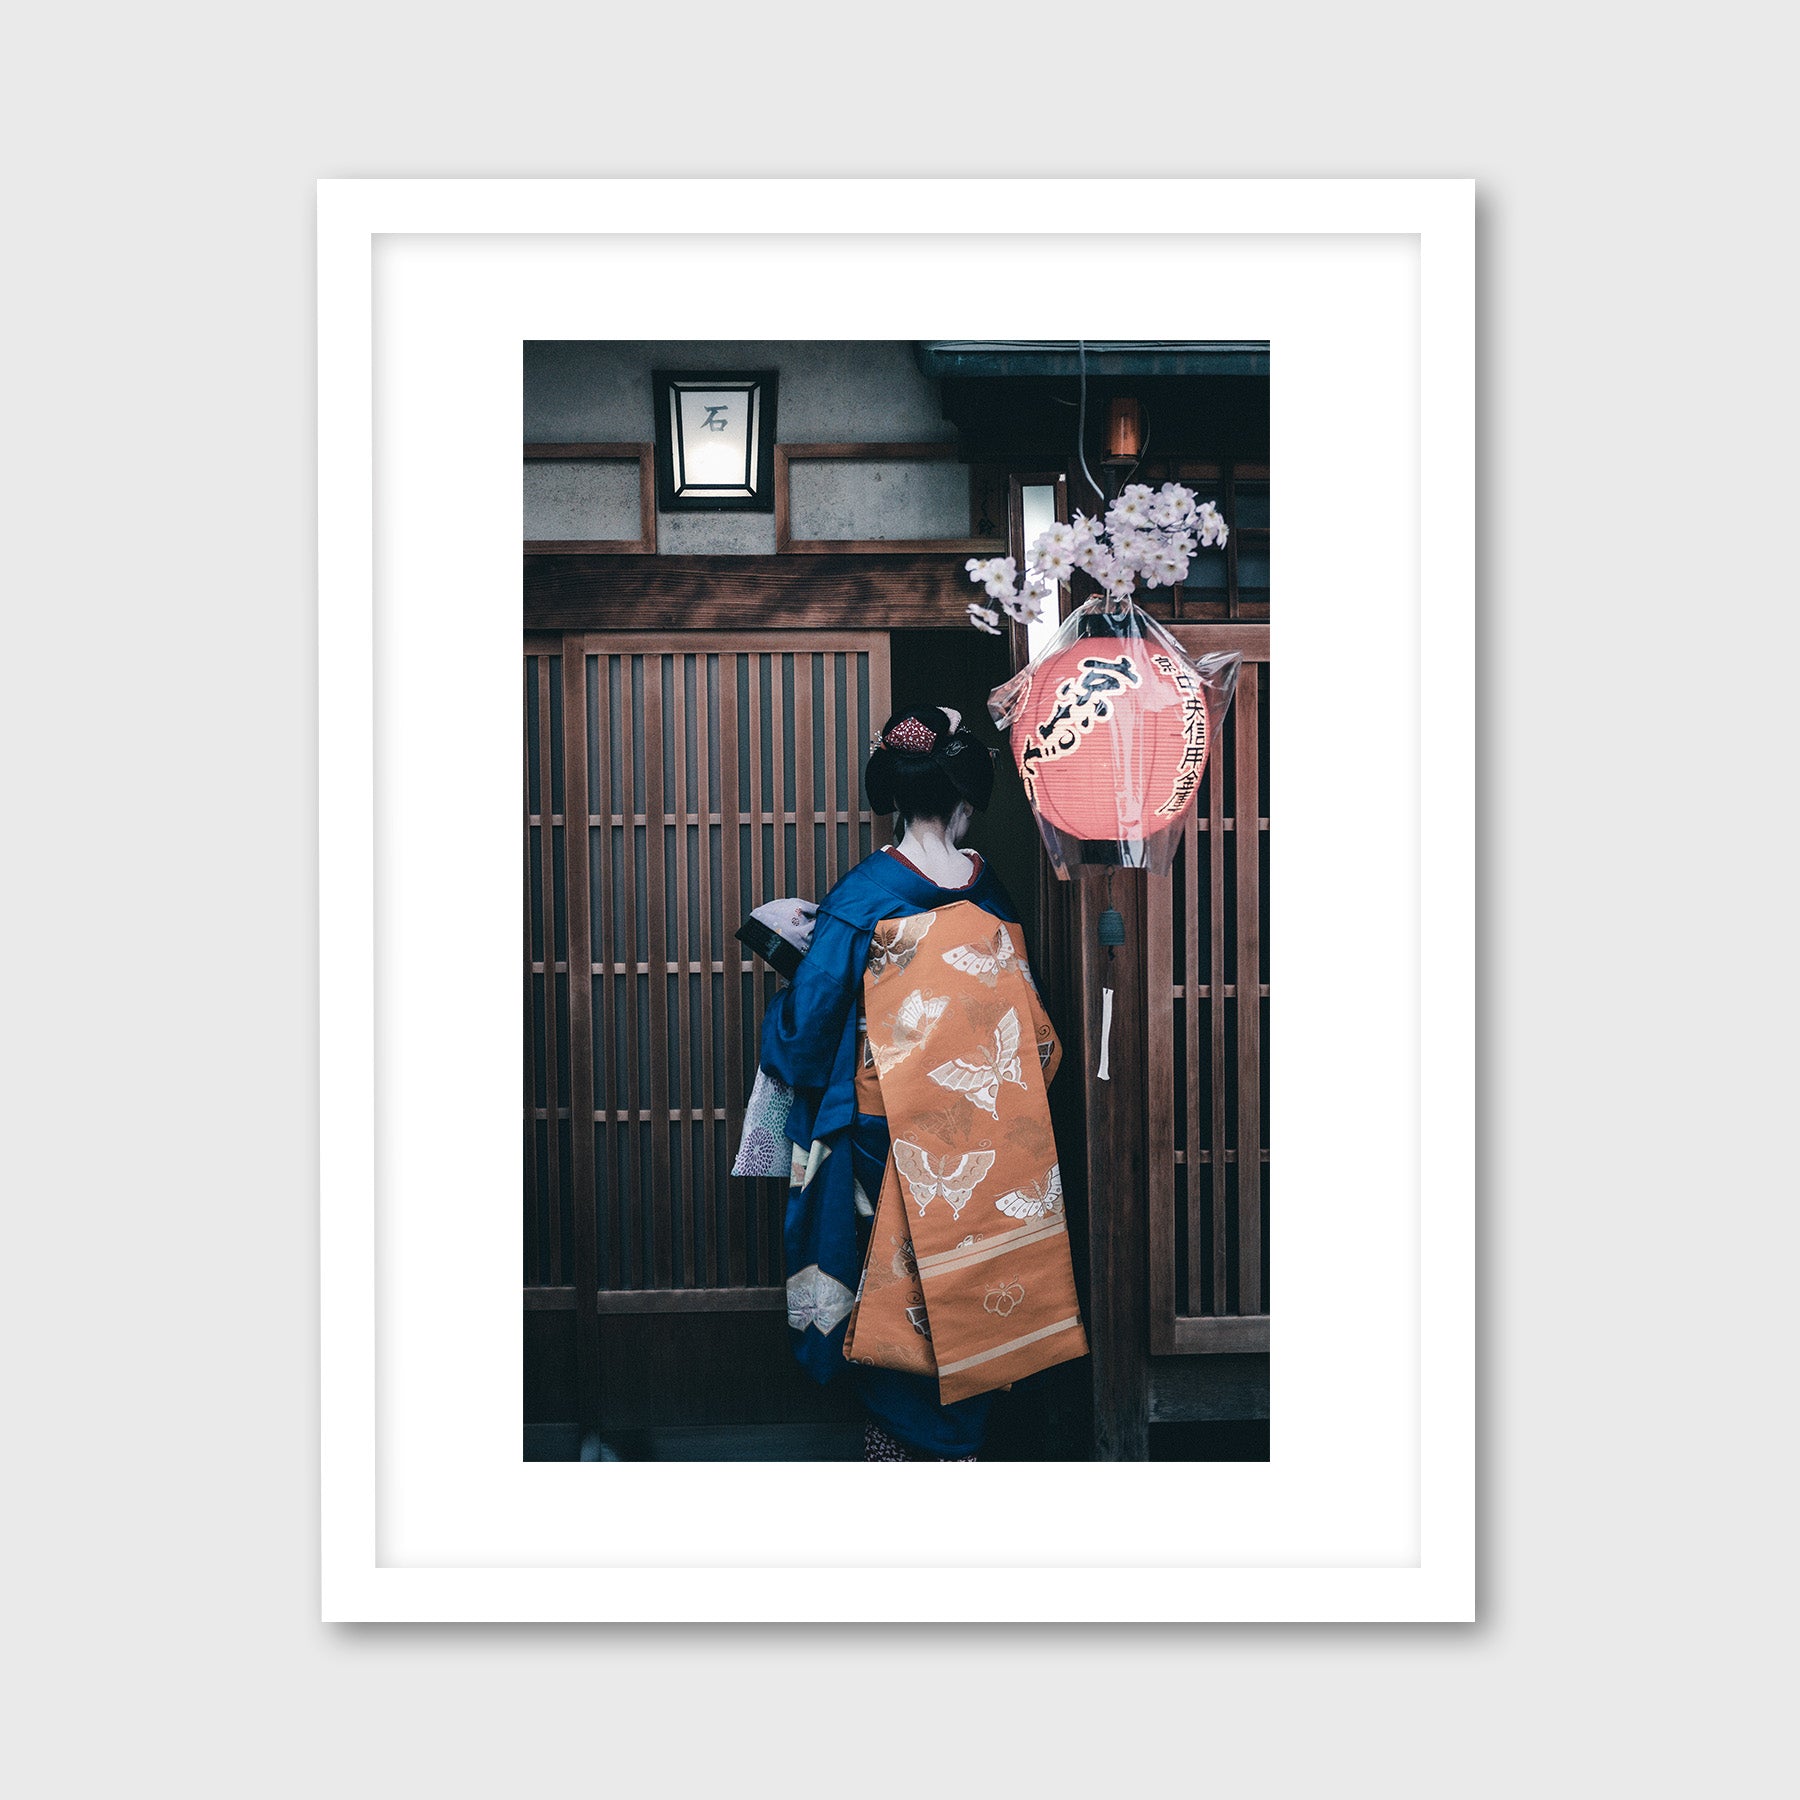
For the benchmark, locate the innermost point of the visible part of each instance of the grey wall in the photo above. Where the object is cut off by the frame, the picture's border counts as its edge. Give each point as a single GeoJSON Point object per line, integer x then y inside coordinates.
{"type": "Point", "coordinates": [582, 500]}
{"type": "Point", "coordinates": [851, 392]}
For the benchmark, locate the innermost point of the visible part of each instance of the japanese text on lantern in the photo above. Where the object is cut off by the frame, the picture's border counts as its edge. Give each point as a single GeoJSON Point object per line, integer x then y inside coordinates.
{"type": "Point", "coordinates": [1193, 731]}
{"type": "Point", "coordinates": [1082, 700]}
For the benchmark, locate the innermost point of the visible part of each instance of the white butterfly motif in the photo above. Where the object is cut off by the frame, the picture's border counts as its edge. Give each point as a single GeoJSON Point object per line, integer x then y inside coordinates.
{"type": "Point", "coordinates": [979, 1080]}
{"type": "Point", "coordinates": [1004, 1297]}
{"type": "Point", "coordinates": [984, 960]}
{"type": "Point", "coordinates": [1036, 1198]}
{"type": "Point", "coordinates": [911, 1027]}
{"type": "Point", "coordinates": [925, 1183]}
{"type": "Point", "coordinates": [897, 941]}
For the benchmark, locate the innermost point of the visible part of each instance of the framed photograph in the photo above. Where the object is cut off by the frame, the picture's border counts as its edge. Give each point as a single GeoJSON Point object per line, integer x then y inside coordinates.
{"type": "Point", "coordinates": [964, 1019]}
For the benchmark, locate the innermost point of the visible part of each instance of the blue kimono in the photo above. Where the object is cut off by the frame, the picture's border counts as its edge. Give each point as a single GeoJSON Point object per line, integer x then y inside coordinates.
{"type": "Point", "coordinates": [809, 1042]}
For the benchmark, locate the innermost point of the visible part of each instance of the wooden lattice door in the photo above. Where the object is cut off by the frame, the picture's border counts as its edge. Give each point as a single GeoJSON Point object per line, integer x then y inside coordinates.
{"type": "Point", "coordinates": [689, 778]}
{"type": "Point", "coordinates": [1207, 982]}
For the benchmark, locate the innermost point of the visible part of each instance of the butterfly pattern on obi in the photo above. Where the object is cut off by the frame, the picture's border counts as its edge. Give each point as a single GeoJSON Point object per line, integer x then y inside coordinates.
{"type": "Point", "coordinates": [985, 958]}
{"type": "Point", "coordinates": [1003, 1297]}
{"type": "Point", "coordinates": [953, 1177]}
{"type": "Point", "coordinates": [1031, 1138]}
{"type": "Point", "coordinates": [896, 941]}
{"type": "Point", "coordinates": [1035, 1198]}
{"type": "Point", "coordinates": [910, 1027]}
{"type": "Point", "coordinates": [978, 1080]}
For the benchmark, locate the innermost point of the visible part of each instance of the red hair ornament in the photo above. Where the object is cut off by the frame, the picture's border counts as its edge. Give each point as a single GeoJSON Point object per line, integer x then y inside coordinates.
{"type": "Point", "coordinates": [1111, 726]}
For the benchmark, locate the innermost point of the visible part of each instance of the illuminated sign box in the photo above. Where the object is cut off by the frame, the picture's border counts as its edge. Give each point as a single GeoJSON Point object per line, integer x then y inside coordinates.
{"type": "Point", "coordinates": [715, 441]}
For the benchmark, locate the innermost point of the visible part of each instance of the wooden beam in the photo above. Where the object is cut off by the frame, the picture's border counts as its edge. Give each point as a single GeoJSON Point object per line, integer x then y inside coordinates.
{"type": "Point", "coordinates": [1248, 1332]}
{"type": "Point", "coordinates": [1198, 637]}
{"type": "Point", "coordinates": [612, 1301]}
{"type": "Point", "coordinates": [694, 1300]}
{"type": "Point", "coordinates": [1190, 1389]}
{"type": "Point", "coordinates": [704, 593]}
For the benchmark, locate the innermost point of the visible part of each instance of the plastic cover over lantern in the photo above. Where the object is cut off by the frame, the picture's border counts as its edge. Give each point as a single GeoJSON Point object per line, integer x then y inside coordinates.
{"type": "Point", "coordinates": [1111, 726]}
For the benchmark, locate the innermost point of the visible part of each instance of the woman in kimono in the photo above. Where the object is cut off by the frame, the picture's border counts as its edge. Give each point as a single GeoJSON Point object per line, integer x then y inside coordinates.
{"type": "Point", "coordinates": [924, 1238]}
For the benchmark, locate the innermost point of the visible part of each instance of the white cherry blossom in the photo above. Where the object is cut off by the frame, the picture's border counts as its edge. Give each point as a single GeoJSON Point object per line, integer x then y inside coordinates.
{"type": "Point", "coordinates": [1131, 547]}
{"type": "Point", "coordinates": [1174, 506]}
{"type": "Point", "coordinates": [1095, 559]}
{"type": "Point", "coordinates": [1145, 536]}
{"type": "Point", "coordinates": [1165, 567]}
{"type": "Point", "coordinates": [1027, 607]}
{"type": "Point", "coordinates": [1132, 508]}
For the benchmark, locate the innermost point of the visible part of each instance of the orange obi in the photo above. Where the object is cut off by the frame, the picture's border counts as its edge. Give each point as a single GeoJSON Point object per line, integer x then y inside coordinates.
{"type": "Point", "coordinates": [967, 1274]}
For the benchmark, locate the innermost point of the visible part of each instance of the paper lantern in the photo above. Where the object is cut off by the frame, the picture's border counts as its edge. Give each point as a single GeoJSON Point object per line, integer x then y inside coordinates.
{"type": "Point", "coordinates": [1110, 725]}
{"type": "Point", "coordinates": [1111, 741]}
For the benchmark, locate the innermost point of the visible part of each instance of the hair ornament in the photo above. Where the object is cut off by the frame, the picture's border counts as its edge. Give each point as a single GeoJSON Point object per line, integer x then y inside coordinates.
{"type": "Point", "coordinates": [912, 735]}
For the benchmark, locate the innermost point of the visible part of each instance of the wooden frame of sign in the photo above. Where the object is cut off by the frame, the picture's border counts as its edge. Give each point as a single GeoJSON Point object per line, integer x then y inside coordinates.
{"type": "Point", "coordinates": [644, 455]}
{"type": "Point", "coordinates": [787, 545]}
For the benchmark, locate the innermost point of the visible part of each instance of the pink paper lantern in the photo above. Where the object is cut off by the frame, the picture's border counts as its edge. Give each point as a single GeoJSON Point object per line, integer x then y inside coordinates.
{"type": "Point", "coordinates": [1112, 739]}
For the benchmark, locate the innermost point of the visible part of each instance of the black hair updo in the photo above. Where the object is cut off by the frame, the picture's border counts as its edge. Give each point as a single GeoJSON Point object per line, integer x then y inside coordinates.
{"type": "Point", "coordinates": [925, 764]}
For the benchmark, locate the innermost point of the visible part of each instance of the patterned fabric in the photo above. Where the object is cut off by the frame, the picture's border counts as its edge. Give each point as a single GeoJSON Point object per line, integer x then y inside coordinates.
{"type": "Point", "coordinates": [763, 1149]}
{"type": "Point", "coordinates": [815, 1300]}
{"type": "Point", "coordinates": [967, 1274]}
{"type": "Point", "coordinates": [809, 1043]}
{"type": "Point", "coordinates": [880, 1446]}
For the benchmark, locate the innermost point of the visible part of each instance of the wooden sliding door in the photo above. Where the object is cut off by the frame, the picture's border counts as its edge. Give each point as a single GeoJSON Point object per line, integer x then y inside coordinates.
{"type": "Point", "coordinates": [673, 782]}
{"type": "Point", "coordinates": [1207, 1009]}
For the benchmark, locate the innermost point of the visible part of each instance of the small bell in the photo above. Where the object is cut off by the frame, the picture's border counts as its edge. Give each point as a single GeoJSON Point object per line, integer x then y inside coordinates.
{"type": "Point", "coordinates": [1112, 928]}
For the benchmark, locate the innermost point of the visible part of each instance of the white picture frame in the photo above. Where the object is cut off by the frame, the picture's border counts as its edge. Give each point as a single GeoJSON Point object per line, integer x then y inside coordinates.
{"type": "Point", "coordinates": [1365, 290]}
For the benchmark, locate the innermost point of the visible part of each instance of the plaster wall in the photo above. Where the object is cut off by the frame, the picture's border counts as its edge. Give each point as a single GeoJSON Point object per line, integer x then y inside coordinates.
{"type": "Point", "coordinates": [844, 392]}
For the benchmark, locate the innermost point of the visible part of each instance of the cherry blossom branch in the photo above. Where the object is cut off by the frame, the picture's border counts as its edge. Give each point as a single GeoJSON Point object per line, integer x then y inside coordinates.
{"type": "Point", "coordinates": [1146, 535]}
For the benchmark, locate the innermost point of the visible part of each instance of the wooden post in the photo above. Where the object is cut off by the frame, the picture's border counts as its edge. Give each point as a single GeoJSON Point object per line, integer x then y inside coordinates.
{"type": "Point", "coordinates": [576, 835]}
{"type": "Point", "coordinates": [1117, 1174]}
